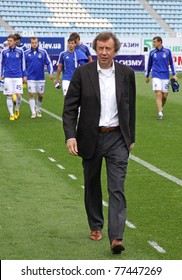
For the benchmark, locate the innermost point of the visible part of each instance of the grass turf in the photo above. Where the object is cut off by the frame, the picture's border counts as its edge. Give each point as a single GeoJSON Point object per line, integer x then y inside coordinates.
{"type": "Point", "coordinates": [42, 212]}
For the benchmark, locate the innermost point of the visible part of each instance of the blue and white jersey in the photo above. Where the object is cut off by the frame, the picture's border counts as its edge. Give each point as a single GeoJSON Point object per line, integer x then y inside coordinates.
{"type": "Point", "coordinates": [158, 62]}
{"type": "Point", "coordinates": [35, 62]}
{"type": "Point", "coordinates": [83, 49]}
{"type": "Point", "coordinates": [70, 61]}
{"type": "Point", "coordinates": [69, 64]}
{"type": "Point", "coordinates": [22, 46]}
{"type": "Point", "coordinates": [12, 63]}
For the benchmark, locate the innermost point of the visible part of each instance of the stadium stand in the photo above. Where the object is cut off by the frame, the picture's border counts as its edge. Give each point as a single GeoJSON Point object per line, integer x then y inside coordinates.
{"type": "Point", "coordinates": [125, 18]}
{"type": "Point", "coordinates": [169, 12]}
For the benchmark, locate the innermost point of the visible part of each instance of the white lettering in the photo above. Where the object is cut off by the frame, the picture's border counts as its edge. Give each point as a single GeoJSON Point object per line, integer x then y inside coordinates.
{"type": "Point", "coordinates": [131, 62]}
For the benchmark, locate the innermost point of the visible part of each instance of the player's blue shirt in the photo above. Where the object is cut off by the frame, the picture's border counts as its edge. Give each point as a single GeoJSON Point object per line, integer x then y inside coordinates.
{"type": "Point", "coordinates": [35, 62]}
{"type": "Point", "coordinates": [83, 49]}
{"type": "Point", "coordinates": [159, 60]}
{"type": "Point", "coordinates": [12, 63]}
{"type": "Point", "coordinates": [22, 46]}
{"type": "Point", "coordinates": [70, 61]}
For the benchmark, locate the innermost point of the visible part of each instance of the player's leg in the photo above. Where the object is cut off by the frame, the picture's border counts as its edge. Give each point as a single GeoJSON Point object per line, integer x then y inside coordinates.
{"type": "Point", "coordinates": [40, 90]}
{"type": "Point", "coordinates": [18, 89]}
{"type": "Point", "coordinates": [18, 103]}
{"type": "Point", "coordinates": [157, 87]}
{"type": "Point", "coordinates": [9, 103]}
{"type": "Point", "coordinates": [14, 98]}
{"type": "Point", "coordinates": [8, 91]}
{"type": "Point", "coordinates": [32, 104]}
{"type": "Point", "coordinates": [165, 89]}
{"type": "Point", "coordinates": [39, 104]}
{"type": "Point", "coordinates": [164, 98]}
{"type": "Point", "coordinates": [159, 100]}
{"type": "Point", "coordinates": [32, 91]}
{"type": "Point", "coordinates": [65, 85]}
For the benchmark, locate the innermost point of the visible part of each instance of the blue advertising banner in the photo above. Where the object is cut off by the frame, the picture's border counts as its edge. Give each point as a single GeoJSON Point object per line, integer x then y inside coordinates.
{"type": "Point", "coordinates": [51, 45]}
{"type": "Point", "coordinates": [56, 45]}
{"type": "Point", "coordinates": [54, 59]}
{"type": "Point", "coordinates": [136, 62]}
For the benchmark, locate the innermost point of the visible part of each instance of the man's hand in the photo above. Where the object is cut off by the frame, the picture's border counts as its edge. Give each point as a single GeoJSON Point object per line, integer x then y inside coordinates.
{"type": "Point", "coordinates": [147, 80]}
{"type": "Point", "coordinates": [132, 146]}
{"type": "Point", "coordinates": [72, 146]}
{"type": "Point", "coordinates": [50, 76]}
{"type": "Point", "coordinates": [175, 78]}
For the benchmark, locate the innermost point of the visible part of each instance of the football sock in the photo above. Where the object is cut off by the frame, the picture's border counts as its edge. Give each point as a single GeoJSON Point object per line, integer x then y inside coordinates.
{"type": "Point", "coordinates": [9, 103]}
{"type": "Point", "coordinates": [32, 105]}
{"type": "Point", "coordinates": [18, 102]}
{"type": "Point", "coordinates": [39, 103]}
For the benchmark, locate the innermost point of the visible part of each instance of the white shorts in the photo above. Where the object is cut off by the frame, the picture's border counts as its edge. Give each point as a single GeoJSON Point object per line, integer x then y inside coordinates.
{"type": "Point", "coordinates": [65, 85]}
{"type": "Point", "coordinates": [159, 84]}
{"type": "Point", "coordinates": [36, 86]}
{"type": "Point", "coordinates": [12, 86]}
{"type": "Point", "coordinates": [1, 85]}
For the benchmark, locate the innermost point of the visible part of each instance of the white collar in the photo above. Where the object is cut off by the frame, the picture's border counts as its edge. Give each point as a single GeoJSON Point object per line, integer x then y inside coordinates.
{"type": "Point", "coordinates": [99, 69]}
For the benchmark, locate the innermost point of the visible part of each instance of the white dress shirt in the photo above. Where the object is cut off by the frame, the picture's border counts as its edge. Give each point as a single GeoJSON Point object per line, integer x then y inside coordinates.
{"type": "Point", "coordinates": [109, 110]}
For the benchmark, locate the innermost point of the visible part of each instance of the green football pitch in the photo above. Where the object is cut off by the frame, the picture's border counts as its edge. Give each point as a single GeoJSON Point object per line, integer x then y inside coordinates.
{"type": "Point", "coordinates": [42, 213]}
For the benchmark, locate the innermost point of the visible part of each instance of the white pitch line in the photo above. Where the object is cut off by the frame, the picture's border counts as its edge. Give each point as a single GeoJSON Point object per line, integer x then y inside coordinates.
{"type": "Point", "coordinates": [51, 159]}
{"type": "Point", "coordinates": [60, 166]}
{"type": "Point", "coordinates": [17, 150]}
{"type": "Point", "coordinates": [157, 170]}
{"type": "Point", "coordinates": [157, 247]}
{"type": "Point", "coordinates": [104, 203]}
{"type": "Point", "coordinates": [41, 150]}
{"type": "Point", "coordinates": [72, 176]}
{"type": "Point", "coordinates": [47, 112]}
{"type": "Point", "coordinates": [130, 225]}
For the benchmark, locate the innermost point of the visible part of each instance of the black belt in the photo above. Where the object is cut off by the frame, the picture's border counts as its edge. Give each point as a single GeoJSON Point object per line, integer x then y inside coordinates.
{"type": "Point", "coordinates": [105, 129]}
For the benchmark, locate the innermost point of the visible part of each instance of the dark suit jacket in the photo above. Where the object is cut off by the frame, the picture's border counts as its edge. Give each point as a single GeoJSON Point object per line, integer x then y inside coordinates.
{"type": "Point", "coordinates": [84, 92]}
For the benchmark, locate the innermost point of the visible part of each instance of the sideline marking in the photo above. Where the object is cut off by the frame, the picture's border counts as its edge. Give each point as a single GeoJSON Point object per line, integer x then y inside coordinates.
{"type": "Point", "coordinates": [41, 150]}
{"type": "Point", "coordinates": [130, 225]}
{"type": "Point", "coordinates": [157, 170]}
{"type": "Point", "coordinates": [104, 203]}
{"type": "Point", "coordinates": [60, 166]}
{"type": "Point", "coordinates": [72, 176]}
{"type": "Point", "coordinates": [157, 247]}
{"type": "Point", "coordinates": [17, 150]}
{"type": "Point", "coordinates": [47, 112]}
{"type": "Point", "coordinates": [51, 159]}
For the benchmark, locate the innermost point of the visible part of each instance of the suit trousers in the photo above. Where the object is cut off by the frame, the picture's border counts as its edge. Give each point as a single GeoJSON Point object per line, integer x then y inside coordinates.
{"type": "Point", "coordinates": [112, 147]}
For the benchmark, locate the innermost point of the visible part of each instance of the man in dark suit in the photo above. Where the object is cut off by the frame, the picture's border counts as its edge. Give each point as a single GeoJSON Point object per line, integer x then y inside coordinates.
{"type": "Point", "coordinates": [105, 92]}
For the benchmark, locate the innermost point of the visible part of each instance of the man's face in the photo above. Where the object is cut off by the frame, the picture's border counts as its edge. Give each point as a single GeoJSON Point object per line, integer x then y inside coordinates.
{"type": "Point", "coordinates": [77, 41]}
{"type": "Point", "coordinates": [157, 44]}
{"type": "Point", "coordinates": [17, 42]}
{"type": "Point", "coordinates": [105, 53]}
{"type": "Point", "coordinates": [34, 44]}
{"type": "Point", "coordinates": [71, 46]}
{"type": "Point", "coordinates": [11, 42]}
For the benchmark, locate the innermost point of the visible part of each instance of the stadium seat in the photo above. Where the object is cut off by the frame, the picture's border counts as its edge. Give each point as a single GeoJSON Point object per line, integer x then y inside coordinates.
{"type": "Point", "coordinates": [92, 15]}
